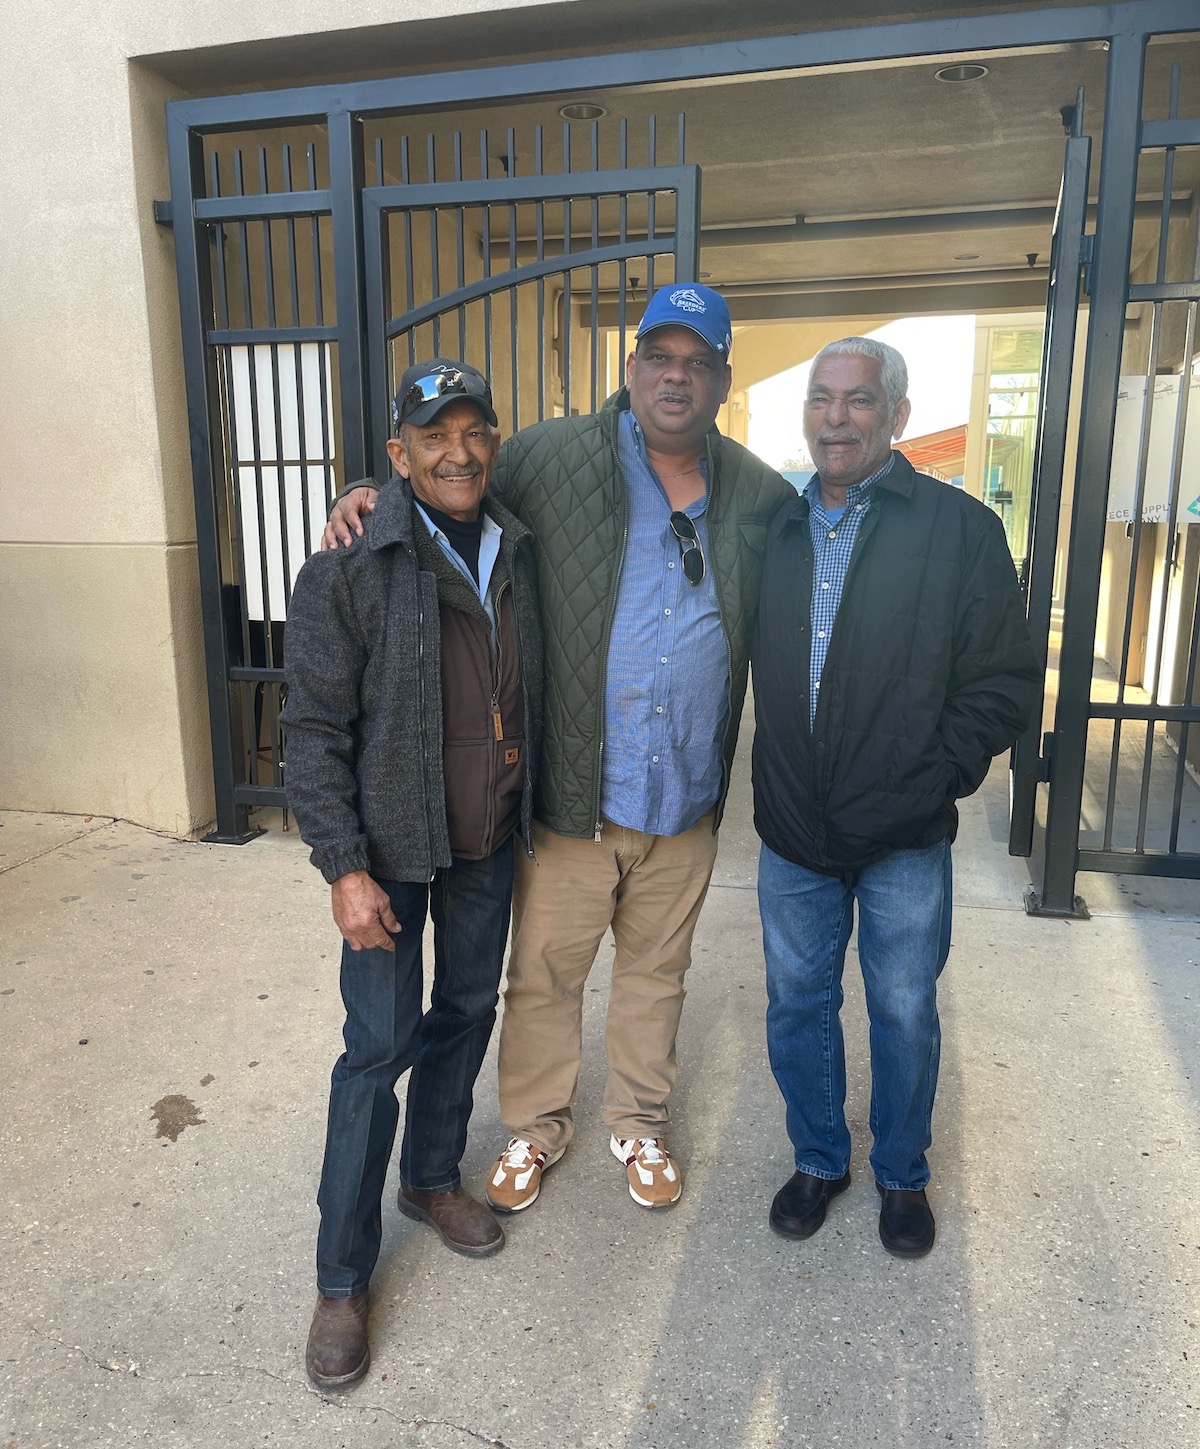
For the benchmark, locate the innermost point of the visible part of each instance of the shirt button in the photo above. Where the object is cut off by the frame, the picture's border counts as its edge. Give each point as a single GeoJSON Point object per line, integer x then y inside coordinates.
{"type": "Point", "coordinates": [658, 709]}
{"type": "Point", "coordinates": [667, 612]}
{"type": "Point", "coordinates": [820, 633]}
{"type": "Point", "coordinates": [832, 533]}
{"type": "Point", "coordinates": [654, 759]}
{"type": "Point", "coordinates": [670, 565]}
{"type": "Point", "coordinates": [825, 584]}
{"type": "Point", "coordinates": [663, 660]}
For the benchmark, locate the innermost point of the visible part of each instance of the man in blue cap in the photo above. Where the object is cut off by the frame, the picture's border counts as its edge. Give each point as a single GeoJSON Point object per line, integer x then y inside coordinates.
{"type": "Point", "coordinates": [650, 526]}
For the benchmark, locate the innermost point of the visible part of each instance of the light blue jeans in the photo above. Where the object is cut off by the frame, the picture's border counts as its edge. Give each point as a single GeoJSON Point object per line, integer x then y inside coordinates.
{"type": "Point", "coordinates": [904, 907]}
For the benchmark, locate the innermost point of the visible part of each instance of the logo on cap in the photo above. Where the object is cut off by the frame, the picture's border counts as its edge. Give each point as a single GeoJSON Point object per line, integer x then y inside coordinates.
{"type": "Point", "coordinates": [687, 300]}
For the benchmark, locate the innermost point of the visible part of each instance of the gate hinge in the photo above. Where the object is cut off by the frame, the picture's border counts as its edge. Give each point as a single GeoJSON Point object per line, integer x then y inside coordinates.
{"type": "Point", "coordinates": [1045, 761]}
{"type": "Point", "coordinates": [1087, 251]}
{"type": "Point", "coordinates": [164, 213]}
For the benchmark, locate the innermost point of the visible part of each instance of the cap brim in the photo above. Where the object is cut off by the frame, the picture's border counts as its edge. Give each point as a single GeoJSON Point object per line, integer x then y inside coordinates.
{"type": "Point", "coordinates": [429, 410]}
{"type": "Point", "coordinates": [717, 347]}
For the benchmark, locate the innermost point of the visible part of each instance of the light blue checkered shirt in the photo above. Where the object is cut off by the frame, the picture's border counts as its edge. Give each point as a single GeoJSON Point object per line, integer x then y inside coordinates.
{"type": "Point", "coordinates": [667, 688]}
{"type": "Point", "coordinates": [833, 535]}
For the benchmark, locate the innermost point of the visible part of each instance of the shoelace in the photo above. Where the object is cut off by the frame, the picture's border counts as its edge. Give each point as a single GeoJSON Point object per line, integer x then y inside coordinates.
{"type": "Point", "coordinates": [650, 1152]}
{"type": "Point", "coordinates": [517, 1154]}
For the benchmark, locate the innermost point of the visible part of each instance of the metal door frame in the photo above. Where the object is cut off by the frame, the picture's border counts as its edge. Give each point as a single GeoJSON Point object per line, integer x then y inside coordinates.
{"type": "Point", "coordinates": [1126, 137]}
{"type": "Point", "coordinates": [1070, 251]}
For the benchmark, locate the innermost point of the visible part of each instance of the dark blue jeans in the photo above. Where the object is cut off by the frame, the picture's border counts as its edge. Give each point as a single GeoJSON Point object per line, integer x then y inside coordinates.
{"type": "Point", "coordinates": [386, 1034]}
{"type": "Point", "coordinates": [904, 910]}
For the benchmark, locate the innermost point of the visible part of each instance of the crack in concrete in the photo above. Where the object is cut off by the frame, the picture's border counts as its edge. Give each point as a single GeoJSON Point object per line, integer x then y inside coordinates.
{"type": "Point", "coordinates": [420, 1422]}
{"type": "Point", "coordinates": [108, 1365]}
{"type": "Point", "coordinates": [105, 822]}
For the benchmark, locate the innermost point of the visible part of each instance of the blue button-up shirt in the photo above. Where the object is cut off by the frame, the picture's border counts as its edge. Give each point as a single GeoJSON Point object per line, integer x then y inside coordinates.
{"type": "Point", "coordinates": [833, 533]}
{"type": "Point", "coordinates": [666, 697]}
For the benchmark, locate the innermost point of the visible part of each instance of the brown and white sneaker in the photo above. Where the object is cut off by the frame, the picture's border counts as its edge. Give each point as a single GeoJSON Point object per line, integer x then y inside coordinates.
{"type": "Point", "coordinates": [516, 1179]}
{"type": "Point", "coordinates": [654, 1179]}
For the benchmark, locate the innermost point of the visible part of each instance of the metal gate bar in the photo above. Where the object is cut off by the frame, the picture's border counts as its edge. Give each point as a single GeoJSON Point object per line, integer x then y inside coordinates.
{"type": "Point", "coordinates": [1136, 743]}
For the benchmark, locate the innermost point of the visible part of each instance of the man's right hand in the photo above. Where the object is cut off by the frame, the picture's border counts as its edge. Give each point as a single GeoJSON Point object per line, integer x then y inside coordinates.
{"type": "Point", "coordinates": [346, 520]}
{"type": "Point", "coordinates": [363, 911]}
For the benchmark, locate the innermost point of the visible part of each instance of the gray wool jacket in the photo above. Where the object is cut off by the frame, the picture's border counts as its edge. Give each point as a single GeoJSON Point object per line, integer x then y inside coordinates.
{"type": "Point", "coordinates": [363, 719]}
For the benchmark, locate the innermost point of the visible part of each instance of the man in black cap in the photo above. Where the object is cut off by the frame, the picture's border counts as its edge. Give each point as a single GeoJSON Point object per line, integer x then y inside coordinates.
{"type": "Point", "coordinates": [413, 721]}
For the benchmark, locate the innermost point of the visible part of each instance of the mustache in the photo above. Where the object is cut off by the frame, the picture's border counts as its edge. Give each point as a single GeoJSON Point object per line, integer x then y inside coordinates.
{"type": "Point", "coordinates": [674, 397]}
{"type": "Point", "coordinates": [447, 475]}
{"type": "Point", "coordinates": [840, 438]}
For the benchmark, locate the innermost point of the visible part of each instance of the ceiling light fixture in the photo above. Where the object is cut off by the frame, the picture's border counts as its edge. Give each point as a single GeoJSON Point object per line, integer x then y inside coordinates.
{"type": "Point", "coordinates": [966, 256]}
{"type": "Point", "coordinates": [582, 111]}
{"type": "Point", "coordinates": [968, 72]}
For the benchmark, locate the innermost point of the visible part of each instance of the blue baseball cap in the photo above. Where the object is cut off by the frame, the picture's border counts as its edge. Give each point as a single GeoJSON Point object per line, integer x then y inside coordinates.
{"type": "Point", "coordinates": [688, 304]}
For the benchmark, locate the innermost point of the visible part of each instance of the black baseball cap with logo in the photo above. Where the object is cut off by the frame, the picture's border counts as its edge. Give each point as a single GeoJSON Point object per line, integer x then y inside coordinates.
{"type": "Point", "coordinates": [427, 387]}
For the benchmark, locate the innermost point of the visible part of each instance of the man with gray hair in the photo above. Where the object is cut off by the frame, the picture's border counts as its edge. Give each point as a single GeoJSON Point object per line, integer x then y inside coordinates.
{"type": "Point", "coordinates": [892, 661]}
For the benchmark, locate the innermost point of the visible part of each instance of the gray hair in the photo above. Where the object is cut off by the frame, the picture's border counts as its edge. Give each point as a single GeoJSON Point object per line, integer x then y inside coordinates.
{"type": "Point", "coordinates": [893, 371]}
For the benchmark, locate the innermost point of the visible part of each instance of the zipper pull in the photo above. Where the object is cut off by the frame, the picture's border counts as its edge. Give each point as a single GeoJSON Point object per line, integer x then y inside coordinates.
{"type": "Point", "coordinates": [598, 825]}
{"type": "Point", "coordinates": [497, 724]}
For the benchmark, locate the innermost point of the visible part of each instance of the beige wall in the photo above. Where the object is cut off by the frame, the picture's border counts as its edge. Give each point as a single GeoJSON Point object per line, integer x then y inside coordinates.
{"type": "Point", "coordinates": [104, 707]}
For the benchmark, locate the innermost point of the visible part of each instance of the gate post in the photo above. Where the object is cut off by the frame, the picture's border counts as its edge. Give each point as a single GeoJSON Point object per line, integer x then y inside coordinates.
{"type": "Point", "coordinates": [1110, 277]}
{"type": "Point", "coordinates": [186, 159]}
{"type": "Point", "coordinates": [346, 177]}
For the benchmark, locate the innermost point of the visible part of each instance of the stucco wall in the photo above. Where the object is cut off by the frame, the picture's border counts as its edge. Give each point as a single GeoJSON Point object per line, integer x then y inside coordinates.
{"type": "Point", "coordinates": [104, 707]}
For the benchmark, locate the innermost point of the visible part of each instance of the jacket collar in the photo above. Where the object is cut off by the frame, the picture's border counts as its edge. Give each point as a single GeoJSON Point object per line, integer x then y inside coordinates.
{"type": "Point", "coordinates": [898, 480]}
{"type": "Point", "coordinates": [392, 520]}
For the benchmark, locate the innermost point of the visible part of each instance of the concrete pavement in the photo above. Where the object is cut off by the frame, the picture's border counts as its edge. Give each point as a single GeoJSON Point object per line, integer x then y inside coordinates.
{"type": "Point", "coordinates": [168, 1017]}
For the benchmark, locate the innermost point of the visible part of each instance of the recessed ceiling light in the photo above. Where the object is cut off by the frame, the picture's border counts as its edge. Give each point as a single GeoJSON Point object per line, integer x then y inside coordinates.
{"type": "Point", "coordinates": [966, 256]}
{"type": "Point", "coordinates": [582, 111]}
{"type": "Point", "coordinates": [961, 72]}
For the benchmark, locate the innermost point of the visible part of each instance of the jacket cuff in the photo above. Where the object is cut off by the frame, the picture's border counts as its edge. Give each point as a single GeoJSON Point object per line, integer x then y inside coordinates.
{"type": "Point", "coordinates": [333, 864]}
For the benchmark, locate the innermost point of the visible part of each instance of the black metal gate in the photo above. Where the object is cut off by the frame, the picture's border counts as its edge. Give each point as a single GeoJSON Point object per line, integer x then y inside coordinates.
{"type": "Point", "coordinates": [305, 291]}
{"type": "Point", "coordinates": [306, 283]}
{"type": "Point", "coordinates": [1122, 760]}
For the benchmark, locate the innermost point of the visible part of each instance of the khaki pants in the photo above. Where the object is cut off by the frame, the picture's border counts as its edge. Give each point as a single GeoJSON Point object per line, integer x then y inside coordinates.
{"type": "Point", "coordinates": [649, 889]}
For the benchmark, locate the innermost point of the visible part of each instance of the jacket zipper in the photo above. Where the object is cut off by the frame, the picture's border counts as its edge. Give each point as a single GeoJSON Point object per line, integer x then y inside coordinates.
{"type": "Point", "coordinates": [623, 505]}
{"type": "Point", "coordinates": [712, 493]}
{"type": "Point", "coordinates": [852, 567]}
{"type": "Point", "coordinates": [530, 783]}
{"type": "Point", "coordinates": [496, 660]}
{"type": "Point", "coordinates": [421, 704]}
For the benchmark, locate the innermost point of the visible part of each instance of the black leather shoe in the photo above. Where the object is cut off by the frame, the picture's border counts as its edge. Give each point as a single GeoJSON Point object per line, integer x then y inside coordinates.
{"type": "Point", "coordinates": [337, 1351]}
{"type": "Point", "coordinates": [799, 1206]}
{"type": "Point", "coordinates": [461, 1222]}
{"type": "Point", "coordinates": [906, 1227]}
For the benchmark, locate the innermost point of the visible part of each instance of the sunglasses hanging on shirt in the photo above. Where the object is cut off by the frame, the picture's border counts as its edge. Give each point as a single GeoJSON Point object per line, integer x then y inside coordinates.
{"type": "Point", "coordinates": [690, 552]}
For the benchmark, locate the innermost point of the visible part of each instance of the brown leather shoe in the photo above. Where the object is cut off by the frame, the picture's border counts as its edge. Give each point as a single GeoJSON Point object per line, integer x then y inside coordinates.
{"type": "Point", "coordinates": [463, 1224]}
{"type": "Point", "coordinates": [337, 1352]}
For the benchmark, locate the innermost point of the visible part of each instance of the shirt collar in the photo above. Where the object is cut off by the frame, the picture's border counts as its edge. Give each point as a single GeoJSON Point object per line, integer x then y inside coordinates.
{"type": "Point", "coordinates": [854, 494]}
{"type": "Point", "coordinates": [489, 527]}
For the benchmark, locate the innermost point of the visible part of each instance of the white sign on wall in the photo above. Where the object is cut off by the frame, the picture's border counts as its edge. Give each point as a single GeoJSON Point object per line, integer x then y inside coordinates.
{"type": "Point", "coordinates": [1127, 444]}
{"type": "Point", "coordinates": [275, 463]}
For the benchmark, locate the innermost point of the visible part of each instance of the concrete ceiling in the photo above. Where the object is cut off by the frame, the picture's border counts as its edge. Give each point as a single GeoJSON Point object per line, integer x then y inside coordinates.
{"type": "Point", "coordinates": [880, 190]}
{"type": "Point", "coordinates": [872, 191]}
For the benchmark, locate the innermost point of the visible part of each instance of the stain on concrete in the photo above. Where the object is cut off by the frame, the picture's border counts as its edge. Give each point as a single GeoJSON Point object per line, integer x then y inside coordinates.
{"type": "Point", "coordinates": [207, 1079]}
{"type": "Point", "coordinates": [173, 1114]}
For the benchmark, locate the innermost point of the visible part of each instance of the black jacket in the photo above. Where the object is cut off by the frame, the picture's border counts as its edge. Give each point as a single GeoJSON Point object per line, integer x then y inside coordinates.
{"type": "Point", "coordinates": [930, 672]}
{"type": "Point", "coordinates": [363, 719]}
